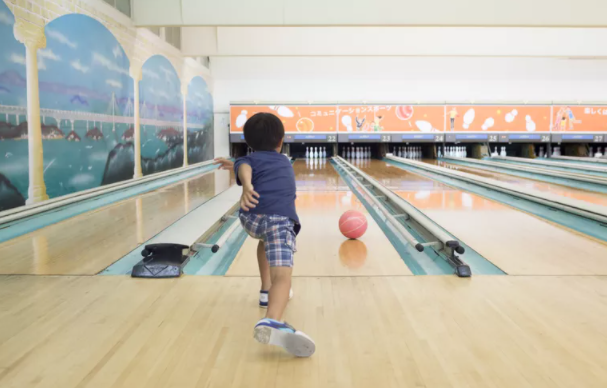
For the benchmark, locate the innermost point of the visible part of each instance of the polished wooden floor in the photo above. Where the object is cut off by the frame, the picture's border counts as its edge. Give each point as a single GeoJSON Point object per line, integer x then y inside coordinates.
{"type": "Point", "coordinates": [424, 331]}
{"type": "Point", "coordinates": [90, 242]}
{"type": "Point", "coordinates": [375, 325]}
{"type": "Point", "coordinates": [552, 188]}
{"type": "Point", "coordinates": [322, 250]}
{"type": "Point", "coordinates": [517, 242]}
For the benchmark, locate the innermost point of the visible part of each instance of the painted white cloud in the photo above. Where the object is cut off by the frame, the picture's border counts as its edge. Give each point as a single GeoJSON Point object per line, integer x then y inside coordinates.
{"type": "Point", "coordinates": [159, 93]}
{"type": "Point", "coordinates": [6, 18]}
{"type": "Point", "coordinates": [48, 54]}
{"type": "Point", "coordinates": [59, 37]}
{"type": "Point", "coordinates": [117, 51]}
{"type": "Point", "coordinates": [113, 83]}
{"type": "Point", "coordinates": [20, 59]}
{"type": "Point", "coordinates": [150, 73]}
{"type": "Point", "coordinates": [17, 58]}
{"type": "Point", "coordinates": [80, 67]}
{"type": "Point", "coordinates": [169, 74]}
{"type": "Point", "coordinates": [108, 64]}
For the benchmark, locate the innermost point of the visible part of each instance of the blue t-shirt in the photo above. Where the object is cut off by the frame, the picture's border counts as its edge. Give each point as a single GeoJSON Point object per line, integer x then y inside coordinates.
{"type": "Point", "coordinates": [274, 181]}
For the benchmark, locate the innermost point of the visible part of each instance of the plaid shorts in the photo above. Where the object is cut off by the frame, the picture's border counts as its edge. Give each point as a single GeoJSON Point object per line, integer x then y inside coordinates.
{"type": "Point", "coordinates": [277, 232]}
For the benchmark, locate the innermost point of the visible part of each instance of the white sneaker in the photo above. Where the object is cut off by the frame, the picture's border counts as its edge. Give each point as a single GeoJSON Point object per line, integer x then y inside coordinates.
{"type": "Point", "coordinates": [263, 298]}
{"type": "Point", "coordinates": [271, 332]}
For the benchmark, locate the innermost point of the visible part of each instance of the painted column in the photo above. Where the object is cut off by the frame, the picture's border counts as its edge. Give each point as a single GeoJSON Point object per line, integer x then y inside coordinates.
{"type": "Point", "coordinates": [32, 36]}
{"type": "Point", "coordinates": [184, 93]}
{"type": "Point", "coordinates": [135, 72]}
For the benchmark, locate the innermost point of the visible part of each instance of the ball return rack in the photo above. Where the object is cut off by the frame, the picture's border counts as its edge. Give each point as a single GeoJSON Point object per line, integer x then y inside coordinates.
{"type": "Point", "coordinates": [165, 255]}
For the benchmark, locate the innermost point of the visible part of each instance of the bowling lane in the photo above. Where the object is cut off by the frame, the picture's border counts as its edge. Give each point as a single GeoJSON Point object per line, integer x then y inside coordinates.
{"type": "Point", "coordinates": [317, 175]}
{"type": "Point", "coordinates": [552, 188]}
{"type": "Point", "coordinates": [517, 242]}
{"type": "Point", "coordinates": [88, 243]}
{"type": "Point", "coordinates": [321, 249]}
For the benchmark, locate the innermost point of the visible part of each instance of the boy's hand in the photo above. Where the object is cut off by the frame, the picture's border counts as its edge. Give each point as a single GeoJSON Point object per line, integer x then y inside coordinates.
{"type": "Point", "coordinates": [224, 164]}
{"type": "Point", "coordinates": [249, 197]}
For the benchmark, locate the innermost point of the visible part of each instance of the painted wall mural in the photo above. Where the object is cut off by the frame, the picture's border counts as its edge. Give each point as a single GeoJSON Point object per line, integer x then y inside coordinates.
{"type": "Point", "coordinates": [199, 107]}
{"type": "Point", "coordinates": [13, 126]}
{"type": "Point", "coordinates": [86, 102]}
{"type": "Point", "coordinates": [161, 107]}
{"type": "Point", "coordinates": [86, 112]}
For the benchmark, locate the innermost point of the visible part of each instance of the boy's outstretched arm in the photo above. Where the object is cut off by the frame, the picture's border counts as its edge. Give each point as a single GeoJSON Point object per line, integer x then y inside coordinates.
{"type": "Point", "coordinates": [224, 164]}
{"type": "Point", "coordinates": [249, 197]}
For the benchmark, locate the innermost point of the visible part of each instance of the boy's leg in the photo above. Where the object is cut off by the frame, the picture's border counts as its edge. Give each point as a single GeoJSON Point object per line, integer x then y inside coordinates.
{"type": "Point", "coordinates": [280, 246]}
{"type": "Point", "coordinates": [264, 266]}
{"type": "Point", "coordinates": [279, 292]}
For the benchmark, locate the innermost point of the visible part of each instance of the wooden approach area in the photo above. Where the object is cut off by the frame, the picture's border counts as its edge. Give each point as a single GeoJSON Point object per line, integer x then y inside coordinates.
{"type": "Point", "coordinates": [375, 324]}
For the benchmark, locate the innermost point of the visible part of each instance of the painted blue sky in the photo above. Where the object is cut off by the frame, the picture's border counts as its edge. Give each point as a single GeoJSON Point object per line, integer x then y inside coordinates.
{"type": "Point", "coordinates": [199, 102]}
{"type": "Point", "coordinates": [12, 60]}
{"type": "Point", "coordinates": [160, 89]}
{"type": "Point", "coordinates": [82, 66]}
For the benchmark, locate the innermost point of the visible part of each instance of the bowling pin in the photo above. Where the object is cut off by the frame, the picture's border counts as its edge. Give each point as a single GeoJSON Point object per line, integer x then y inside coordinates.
{"type": "Point", "coordinates": [438, 153]}
{"type": "Point", "coordinates": [465, 152]}
{"type": "Point", "coordinates": [503, 153]}
{"type": "Point", "coordinates": [307, 153]}
{"type": "Point", "coordinates": [598, 154]}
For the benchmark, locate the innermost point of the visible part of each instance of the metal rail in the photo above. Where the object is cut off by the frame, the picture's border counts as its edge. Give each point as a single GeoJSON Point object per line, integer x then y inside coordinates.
{"type": "Point", "coordinates": [222, 240]}
{"type": "Point", "coordinates": [580, 159]}
{"type": "Point", "coordinates": [438, 239]}
{"type": "Point", "coordinates": [593, 179]}
{"type": "Point", "coordinates": [51, 204]}
{"type": "Point", "coordinates": [552, 164]}
{"type": "Point", "coordinates": [576, 207]}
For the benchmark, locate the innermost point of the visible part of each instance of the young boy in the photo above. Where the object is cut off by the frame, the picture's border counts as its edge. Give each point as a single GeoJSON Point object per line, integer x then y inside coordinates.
{"type": "Point", "coordinates": [268, 214]}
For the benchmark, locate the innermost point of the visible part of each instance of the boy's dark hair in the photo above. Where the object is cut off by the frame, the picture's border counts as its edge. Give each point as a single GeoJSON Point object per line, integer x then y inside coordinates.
{"type": "Point", "coordinates": [264, 132]}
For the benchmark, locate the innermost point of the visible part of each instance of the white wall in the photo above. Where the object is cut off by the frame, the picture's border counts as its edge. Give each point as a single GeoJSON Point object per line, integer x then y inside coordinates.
{"type": "Point", "coordinates": [406, 79]}
{"type": "Point", "coordinates": [222, 133]}
{"type": "Point", "coordinates": [433, 64]}
{"type": "Point", "coordinates": [371, 12]}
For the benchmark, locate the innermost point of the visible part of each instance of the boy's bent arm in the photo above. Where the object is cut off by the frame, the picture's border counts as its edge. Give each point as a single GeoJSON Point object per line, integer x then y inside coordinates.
{"type": "Point", "coordinates": [245, 174]}
{"type": "Point", "coordinates": [248, 200]}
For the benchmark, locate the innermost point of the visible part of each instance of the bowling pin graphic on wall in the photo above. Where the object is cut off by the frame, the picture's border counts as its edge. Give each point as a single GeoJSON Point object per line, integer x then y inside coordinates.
{"type": "Point", "coordinates": [347, 122]}
{"type": "Point", "coordinates": [530, 124]}
{"type": "Point", "coordinates": [469, 118]}
{"type": "Point", "coordinates": [425, 126]}
{"type": "Point", "coordinates": [282, 111]}
{"type": "Point", "coordinates": [511, 116]}
{"type": "Point", "coordinates": [241, 119]}
{"type": "Point", "coordinates": [488, 124]}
